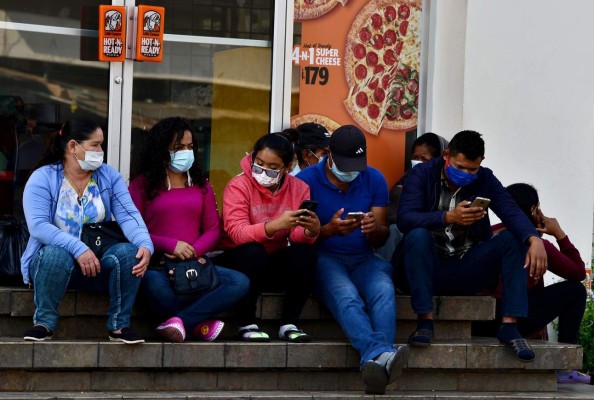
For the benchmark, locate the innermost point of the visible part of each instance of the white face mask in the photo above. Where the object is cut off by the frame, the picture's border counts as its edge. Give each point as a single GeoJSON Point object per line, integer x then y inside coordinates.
{"type": "Point", "coordinates": [414, 163]}
{"type": "Point", "coordinates": [92, 161]}
{"type": "Point", "coordinates": [259, 174]}
{"type": "Point", "coordinates": [181, 161]}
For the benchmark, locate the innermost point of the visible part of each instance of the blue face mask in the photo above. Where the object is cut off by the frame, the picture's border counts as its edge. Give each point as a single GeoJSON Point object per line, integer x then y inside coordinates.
{"type": "Point", "coordinates": [181, 160]}
{"type": "Point", "coordinates": [460, 178]}
{"type": "Point", "coordinates": [343, 176]}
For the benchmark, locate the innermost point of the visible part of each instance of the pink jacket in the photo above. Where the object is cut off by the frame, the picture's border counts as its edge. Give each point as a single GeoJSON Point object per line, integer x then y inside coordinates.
{"type": "Point", "coordinates": [247, 205]}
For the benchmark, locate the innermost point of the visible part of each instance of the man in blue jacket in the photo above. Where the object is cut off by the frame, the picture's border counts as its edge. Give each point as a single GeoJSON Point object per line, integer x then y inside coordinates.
{"type": "Point", "coordinates": [448, 247]}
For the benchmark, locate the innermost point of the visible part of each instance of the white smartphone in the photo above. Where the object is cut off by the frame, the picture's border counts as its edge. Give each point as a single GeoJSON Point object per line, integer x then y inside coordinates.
{"type": "Point", "coordinates": [358, 215]}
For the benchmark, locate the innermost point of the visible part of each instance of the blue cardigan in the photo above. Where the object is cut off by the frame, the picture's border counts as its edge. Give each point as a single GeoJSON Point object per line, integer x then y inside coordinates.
{"type": "Point", "coordinates": [420, 201]}
{"type": "Point", "coordinates": [40, 201]}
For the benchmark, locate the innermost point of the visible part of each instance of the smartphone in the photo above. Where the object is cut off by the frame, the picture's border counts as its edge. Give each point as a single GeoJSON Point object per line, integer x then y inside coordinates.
{"type": "Point", "coordinates": [481, 202]}
{"type": "Point", "coordinates": [358, 215]}
{"type": "Point", "coordinates": [310, 205]}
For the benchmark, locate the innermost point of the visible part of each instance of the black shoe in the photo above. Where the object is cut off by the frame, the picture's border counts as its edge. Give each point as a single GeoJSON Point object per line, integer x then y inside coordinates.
{"type": "Point", "coordinates": [421, 338]}
{"type": "Point", "coordinates": [38, 333]}
{"type": "Point", "coordinates": [127, 335]}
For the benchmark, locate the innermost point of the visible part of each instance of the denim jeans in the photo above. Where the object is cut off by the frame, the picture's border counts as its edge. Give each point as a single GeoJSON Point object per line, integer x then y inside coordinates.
{"type": "Point", "coordinates": [53, 270]}
{"type": "Point", "coordinates": [359, 292]}
{"type": "Point", "coordinates": [428, 274]}
{"type": "Point", "coordinates": [163, 302]}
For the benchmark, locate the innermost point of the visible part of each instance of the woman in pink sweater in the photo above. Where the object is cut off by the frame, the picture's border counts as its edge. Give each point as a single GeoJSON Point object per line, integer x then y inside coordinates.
{"type": "Point", "coordinates": [267, 237]}
{"type": "Point", "coordinates": [180, 211]}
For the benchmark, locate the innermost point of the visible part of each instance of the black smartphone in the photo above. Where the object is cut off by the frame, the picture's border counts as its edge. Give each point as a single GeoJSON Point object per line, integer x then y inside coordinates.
{"type": "Point", "coordinates": [310, 205]}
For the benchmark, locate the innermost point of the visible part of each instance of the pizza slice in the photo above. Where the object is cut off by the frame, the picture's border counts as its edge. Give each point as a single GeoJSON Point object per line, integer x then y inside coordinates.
{"type": "Point", "coordinates": [323, 120]}
{"type": "Point", "coordinates": [312, 9]}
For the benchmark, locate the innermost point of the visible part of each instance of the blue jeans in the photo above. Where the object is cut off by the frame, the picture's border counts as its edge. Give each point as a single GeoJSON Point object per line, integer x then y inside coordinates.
{"type": "Point", "coordinates": [53, 270]}
{"type": "Point", "coordinates": [163, 302]}
{"type": "Point", "coordinates": [359, 292]}
{"type": "Point", "coordinates": [428, 274]}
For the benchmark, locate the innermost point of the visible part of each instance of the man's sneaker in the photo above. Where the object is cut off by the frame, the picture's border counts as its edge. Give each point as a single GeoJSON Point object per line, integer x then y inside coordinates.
{"type": "Point", "coordinates": [172, 330]}
{"type": "Point", "coordinates": [38, 333]}
{"type": "Point", "coordinates": [126, 335]}
{"type": "Point", "coordinates": [383, 369]}
{"type": "Point", "coordinates": [291, 333]}
{"type": "Point", "coordinates": [208, 330]}
{"type": "Point", "coordinates": [574, 376]}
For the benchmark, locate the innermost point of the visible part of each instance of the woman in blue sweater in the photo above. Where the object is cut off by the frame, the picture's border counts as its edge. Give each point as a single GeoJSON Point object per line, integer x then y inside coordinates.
{"type": "Point", "coordinates": [72, 187]}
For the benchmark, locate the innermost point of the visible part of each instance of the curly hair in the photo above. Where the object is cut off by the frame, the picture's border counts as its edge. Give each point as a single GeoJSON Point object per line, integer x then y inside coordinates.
{"type": "Point", "coordinates": [155, 158]}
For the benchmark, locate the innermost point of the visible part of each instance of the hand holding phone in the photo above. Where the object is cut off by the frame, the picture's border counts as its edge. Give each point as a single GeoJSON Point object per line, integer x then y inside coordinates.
{"type": "Point", "coordinates": [310, 205]}
{"type": "Point", "coordinates": [481, 202]}
{"type": "Point", "coordinates": [358, 215]}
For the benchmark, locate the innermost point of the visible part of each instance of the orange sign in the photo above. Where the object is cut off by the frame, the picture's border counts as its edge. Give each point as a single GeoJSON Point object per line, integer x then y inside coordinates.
{"type": "Point", "coordinates": [149, 33]}
{"type": "Point", "coordinates": [112, 33]}
{"type": "Point", "coordinates": [364, 71]}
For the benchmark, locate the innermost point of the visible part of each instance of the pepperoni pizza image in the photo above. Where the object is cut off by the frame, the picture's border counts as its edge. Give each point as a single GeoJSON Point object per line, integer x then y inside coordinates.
{"type": "Point", "coordinates": [381, 63]}
{"type": "Point", "coordinates": [312, 9]}
{"type": "Point", "coordinates": [326, 122]}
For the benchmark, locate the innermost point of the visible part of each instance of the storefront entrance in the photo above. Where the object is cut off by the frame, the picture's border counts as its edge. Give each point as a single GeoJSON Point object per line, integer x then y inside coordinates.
{"type": "Point", "coordinates": [217, 72]}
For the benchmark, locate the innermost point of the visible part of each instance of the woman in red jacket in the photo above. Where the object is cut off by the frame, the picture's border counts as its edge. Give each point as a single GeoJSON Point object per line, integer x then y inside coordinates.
{"type": "Point", "coordinates": [565, 300]}
{"type": "Point", "coordinates": [267, 237]}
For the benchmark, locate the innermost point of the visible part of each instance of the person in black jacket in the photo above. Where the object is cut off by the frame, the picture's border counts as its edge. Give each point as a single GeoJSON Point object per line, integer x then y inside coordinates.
{"type": "Point", "coordinates": [448, 247]}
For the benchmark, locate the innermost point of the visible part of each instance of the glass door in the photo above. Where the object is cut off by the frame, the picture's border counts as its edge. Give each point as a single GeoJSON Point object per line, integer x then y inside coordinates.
{"type": "Point", "coordinates": [216, 72]}
{"type": "Point", "coordinates": [45, 79]}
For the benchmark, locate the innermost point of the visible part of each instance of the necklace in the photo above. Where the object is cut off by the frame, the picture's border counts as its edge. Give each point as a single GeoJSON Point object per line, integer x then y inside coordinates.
{"type": "Point", "coordinates": [80, 190]}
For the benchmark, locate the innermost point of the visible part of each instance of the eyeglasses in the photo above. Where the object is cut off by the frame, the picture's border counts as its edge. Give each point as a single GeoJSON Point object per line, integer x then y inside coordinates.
{"type": "Point", "coordinates": [271, 173]}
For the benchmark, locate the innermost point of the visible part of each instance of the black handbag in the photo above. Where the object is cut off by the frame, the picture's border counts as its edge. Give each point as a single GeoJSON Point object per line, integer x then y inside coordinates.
{"type": "Point", "coordinates": [13, 240]}
{"type": "Point", "coordinates": [191, 278]}
{"type": "Point", "coordinates": [100, 236]}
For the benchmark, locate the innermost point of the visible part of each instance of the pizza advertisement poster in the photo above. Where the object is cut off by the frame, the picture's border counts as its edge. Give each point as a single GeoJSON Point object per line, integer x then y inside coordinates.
{"type": "Point", "coordinates": [359, 64]}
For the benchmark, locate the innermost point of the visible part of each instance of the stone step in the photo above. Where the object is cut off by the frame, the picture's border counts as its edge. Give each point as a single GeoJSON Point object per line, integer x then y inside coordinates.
{"type": "Point", "coordinates": [18, 302]}
{"type": "Point", "coordinates": [83, 316]}
{"type": "Point", "coordinates": [93, 328]}
{"type": "Point", "coordinates": [477, 365]}
{"type": "Point", "coordinates": [565, 392]}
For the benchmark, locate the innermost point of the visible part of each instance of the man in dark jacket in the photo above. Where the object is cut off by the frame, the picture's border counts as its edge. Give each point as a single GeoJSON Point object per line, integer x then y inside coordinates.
{"type": "Point", "coordinates": [448, 247]}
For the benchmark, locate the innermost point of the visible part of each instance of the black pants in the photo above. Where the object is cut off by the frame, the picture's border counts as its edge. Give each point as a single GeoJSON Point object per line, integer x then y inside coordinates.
{"type": "Point", "coordinates": [566, 300]}
{"type": "Point", "coordinates": [290, 269]}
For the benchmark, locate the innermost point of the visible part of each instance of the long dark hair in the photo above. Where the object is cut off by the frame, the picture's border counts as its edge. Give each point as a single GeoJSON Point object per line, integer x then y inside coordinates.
{"type": "Point", "coordinates": [77, 129]}
{"type": "Point", "coordinates": [155, 158]}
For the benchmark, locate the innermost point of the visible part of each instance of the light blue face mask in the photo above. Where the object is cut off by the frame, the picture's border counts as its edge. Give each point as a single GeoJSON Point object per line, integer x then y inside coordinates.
{"type": "Point", "coordinates": [181, 161]}
{"type": "Point", "coordinates": [343, 176]}
{"type": "Point", "coordinates": [414, 163]}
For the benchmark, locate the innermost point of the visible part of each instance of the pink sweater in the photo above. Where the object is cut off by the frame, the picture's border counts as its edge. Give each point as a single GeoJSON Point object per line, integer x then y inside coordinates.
{"type": "Point", "coordinates": [247, 205]}
{"type": "Point", "coordinates": [187, 214]}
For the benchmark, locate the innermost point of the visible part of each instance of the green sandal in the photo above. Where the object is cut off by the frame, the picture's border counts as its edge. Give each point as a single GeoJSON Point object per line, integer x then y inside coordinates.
{"type": "Point", "coordinates": [251, 333]}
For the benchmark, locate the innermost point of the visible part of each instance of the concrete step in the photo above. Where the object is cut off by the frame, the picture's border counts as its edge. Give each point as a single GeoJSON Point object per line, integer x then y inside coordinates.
{"type": "Point", "coordinates": [18, 302]}
{"type": "Point", "coordinates": [475, 365]}
{"type": "Point", "coordinates": [83, 316]}
{"type": "Point", "coordinates": [565, 392]}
